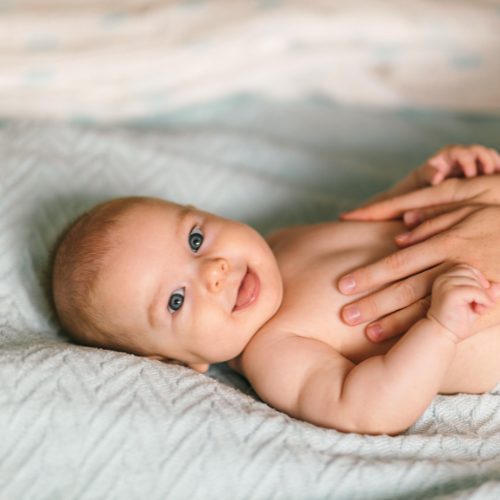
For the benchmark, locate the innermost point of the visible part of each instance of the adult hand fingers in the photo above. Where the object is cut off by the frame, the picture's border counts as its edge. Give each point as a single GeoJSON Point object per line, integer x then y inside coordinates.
{"type": "Point", "coordinates": [466, 159]}
{"type": "Point", "coordinates": [432, 227]}
{"type": "Point", "coordinates": [446, 192]}
{"type": "Point", "coordinates": [413, 218]}
{"type": "Point", "coordinates": [390, 299]}
{"type": "Point", "coordinates": [436, 169]}
{"type": "Point", "coordinates": [398, 265]}
{"type": "Point", "coordinates": [485, 159]}
{"type": "Point", "coordinates": [399, 322]}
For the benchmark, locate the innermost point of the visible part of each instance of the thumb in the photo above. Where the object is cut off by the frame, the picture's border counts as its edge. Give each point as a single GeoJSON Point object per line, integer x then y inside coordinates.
{"type": "Point", "coordinates": [494, 291]}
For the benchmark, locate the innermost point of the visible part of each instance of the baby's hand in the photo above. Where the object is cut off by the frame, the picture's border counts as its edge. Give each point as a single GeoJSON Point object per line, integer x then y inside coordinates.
{"type": "Point", "coordinates": [458, 297]}
{"type": "Point", "coordinates": [456, 160]}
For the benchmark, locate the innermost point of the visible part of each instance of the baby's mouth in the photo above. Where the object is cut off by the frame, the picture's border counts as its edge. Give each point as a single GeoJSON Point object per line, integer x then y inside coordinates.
{"type": "Point", "coordinates": [248, 291]}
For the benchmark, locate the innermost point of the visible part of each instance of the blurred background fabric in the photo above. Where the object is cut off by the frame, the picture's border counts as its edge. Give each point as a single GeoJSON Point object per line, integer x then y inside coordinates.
{"type": "Point", "coordinates": [99, 61]}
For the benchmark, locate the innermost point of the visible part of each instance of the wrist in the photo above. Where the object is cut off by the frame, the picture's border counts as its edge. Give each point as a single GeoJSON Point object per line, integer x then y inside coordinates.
{"type": "Point", "coordinates": [440, 329]}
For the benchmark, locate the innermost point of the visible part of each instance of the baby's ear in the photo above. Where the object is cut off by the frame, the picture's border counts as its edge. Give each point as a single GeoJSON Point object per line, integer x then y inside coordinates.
{"type": "Point", "coordinates": [202, 368]}
{"type": "Point", "coordinates": [163, 359]}
{"type": "Point", "coordinates": [167, 361]}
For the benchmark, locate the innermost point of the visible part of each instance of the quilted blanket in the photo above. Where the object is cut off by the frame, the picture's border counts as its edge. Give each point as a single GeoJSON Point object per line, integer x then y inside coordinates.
{"type": "Point", "coordinates": [84, 423]}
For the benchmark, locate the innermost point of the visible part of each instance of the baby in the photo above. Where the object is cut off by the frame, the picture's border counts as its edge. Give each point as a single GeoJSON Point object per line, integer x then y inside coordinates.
{"type": "Point", "coordinates": [176, 284]}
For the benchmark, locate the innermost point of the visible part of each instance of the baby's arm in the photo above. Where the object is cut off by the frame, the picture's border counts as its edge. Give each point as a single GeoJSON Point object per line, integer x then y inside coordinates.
{"type": "Point", "coordinates": [384, 394]}
{"type": "Point", "coordinates": [451, 161]}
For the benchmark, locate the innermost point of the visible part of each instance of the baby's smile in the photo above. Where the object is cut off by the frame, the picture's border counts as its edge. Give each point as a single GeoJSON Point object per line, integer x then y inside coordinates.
{"type": "Point", "coordinates": [248, 291]}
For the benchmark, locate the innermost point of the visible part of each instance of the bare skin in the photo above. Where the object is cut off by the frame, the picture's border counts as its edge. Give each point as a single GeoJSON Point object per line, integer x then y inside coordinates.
{"type": "Point", "coordinates": [200, 289]}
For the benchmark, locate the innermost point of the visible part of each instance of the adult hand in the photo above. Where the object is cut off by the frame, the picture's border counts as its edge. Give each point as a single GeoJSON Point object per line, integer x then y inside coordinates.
{"type": "Point", "coordinates": [472, 237]}
{"type": "Point", "coordinates": [454, 160]}
{"type": "Point", "coordinates": [427, 203]}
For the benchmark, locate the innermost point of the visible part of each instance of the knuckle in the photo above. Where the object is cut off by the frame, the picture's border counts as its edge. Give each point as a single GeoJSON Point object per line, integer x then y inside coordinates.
{"type": "Point", "coordinates": [429, 225]}
{"type": "Point", "coordinates": [371, 307]}
{"type": "Point", "coordinates": [406, 292]}
{"type": "Point", "coordinates": [438, 282]}
{"type": "Point", "coordinates": [395, 261]}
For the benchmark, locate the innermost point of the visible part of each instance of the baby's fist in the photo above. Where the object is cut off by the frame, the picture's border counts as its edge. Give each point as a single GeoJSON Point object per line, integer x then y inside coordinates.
{"type": "Point", "coordinates": [458, 297]}
{"type": "Point", "coordinates": [456, 160]}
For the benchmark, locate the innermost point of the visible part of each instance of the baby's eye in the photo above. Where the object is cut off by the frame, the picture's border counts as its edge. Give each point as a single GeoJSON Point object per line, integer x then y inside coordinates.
{"type": "Point", "coordinates": [176, 300]}
{"type": "Point", "coordinates": [195, 239]}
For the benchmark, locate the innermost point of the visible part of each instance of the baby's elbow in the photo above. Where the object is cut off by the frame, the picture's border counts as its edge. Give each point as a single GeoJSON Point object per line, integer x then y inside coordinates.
{"type": "Point", "coordinates": [378, 427]}
{"type": "Point", "coordinates": [370, 429]}
{"type": "Point", "coordinates": [363, 425]}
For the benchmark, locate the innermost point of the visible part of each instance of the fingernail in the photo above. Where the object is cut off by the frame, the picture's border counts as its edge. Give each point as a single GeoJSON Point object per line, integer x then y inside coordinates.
{"type": "Point", "coordinates": [351, 314]}
{"type": "Point", "coordinates": [403, 237]}
{"type": "Point", "coordinates": [347, 284]}
{"type": "Point", "coordinates": [374, 331]}
{"type": "Point", "coordinates": [414, 218]}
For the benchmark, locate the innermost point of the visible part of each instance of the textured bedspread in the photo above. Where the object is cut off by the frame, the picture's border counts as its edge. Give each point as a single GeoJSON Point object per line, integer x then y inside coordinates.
{"type": "Point", "coordinates": [89, 424]}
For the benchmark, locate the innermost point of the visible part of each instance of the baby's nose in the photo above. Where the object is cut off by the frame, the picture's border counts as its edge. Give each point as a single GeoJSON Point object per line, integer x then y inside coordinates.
{"type": "Point", "coordinates": [215, 272]}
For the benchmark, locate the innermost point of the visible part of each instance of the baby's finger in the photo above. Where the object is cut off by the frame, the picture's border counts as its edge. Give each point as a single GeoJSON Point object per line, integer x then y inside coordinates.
{"type": "Point", "coordinates": [478, 308]}
{"type": "Point", "coordinates": [469, 294]}
{"type": "Point", "coordinates": [494, 291]}
{"type": "Point", "coordinates": [469, 272]}
{"type": "Point", "coordinates": [436, 169]}
{"type": "Point", "coordinates": [465, 159]}
{"type": "Point", "coordinates": [431, 227]}
{"type": "Point", "coordinates": [496, 159]}
{"type": "Point", "coordinates": [476, 295]}
{"type": "Point", "coordinates": [432, 174]}
{"type": "Point", "coordinates": [485, 158]}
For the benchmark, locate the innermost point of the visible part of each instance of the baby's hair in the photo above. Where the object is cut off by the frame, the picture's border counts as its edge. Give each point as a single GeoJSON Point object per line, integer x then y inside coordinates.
{"type": "Point", "coordinates": [81, 252]}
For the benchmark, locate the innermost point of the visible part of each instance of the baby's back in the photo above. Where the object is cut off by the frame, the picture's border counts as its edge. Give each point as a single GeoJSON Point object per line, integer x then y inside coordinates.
{"type": "Point", "coordinates": [313, 258]}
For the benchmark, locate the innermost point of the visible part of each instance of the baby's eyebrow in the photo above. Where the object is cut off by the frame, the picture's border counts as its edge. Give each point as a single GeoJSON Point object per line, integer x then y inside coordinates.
{"type": "Point", "coordinates": [183, 213]}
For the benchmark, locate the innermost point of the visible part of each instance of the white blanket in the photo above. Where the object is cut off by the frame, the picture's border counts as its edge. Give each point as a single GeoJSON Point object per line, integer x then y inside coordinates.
{"type": "Point", "coordinates": [87, 423]}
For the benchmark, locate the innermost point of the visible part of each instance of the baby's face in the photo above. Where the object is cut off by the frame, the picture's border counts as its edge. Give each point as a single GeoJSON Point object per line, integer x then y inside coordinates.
{"type": "Point", "coordinates": [189, 285]}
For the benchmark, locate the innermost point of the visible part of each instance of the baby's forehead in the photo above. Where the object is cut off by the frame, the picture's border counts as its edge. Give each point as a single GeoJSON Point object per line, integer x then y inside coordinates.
{"type": "Point", "coordinates": [151, 223]}
{"type": "Point", "coordinates": [151, 210]}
